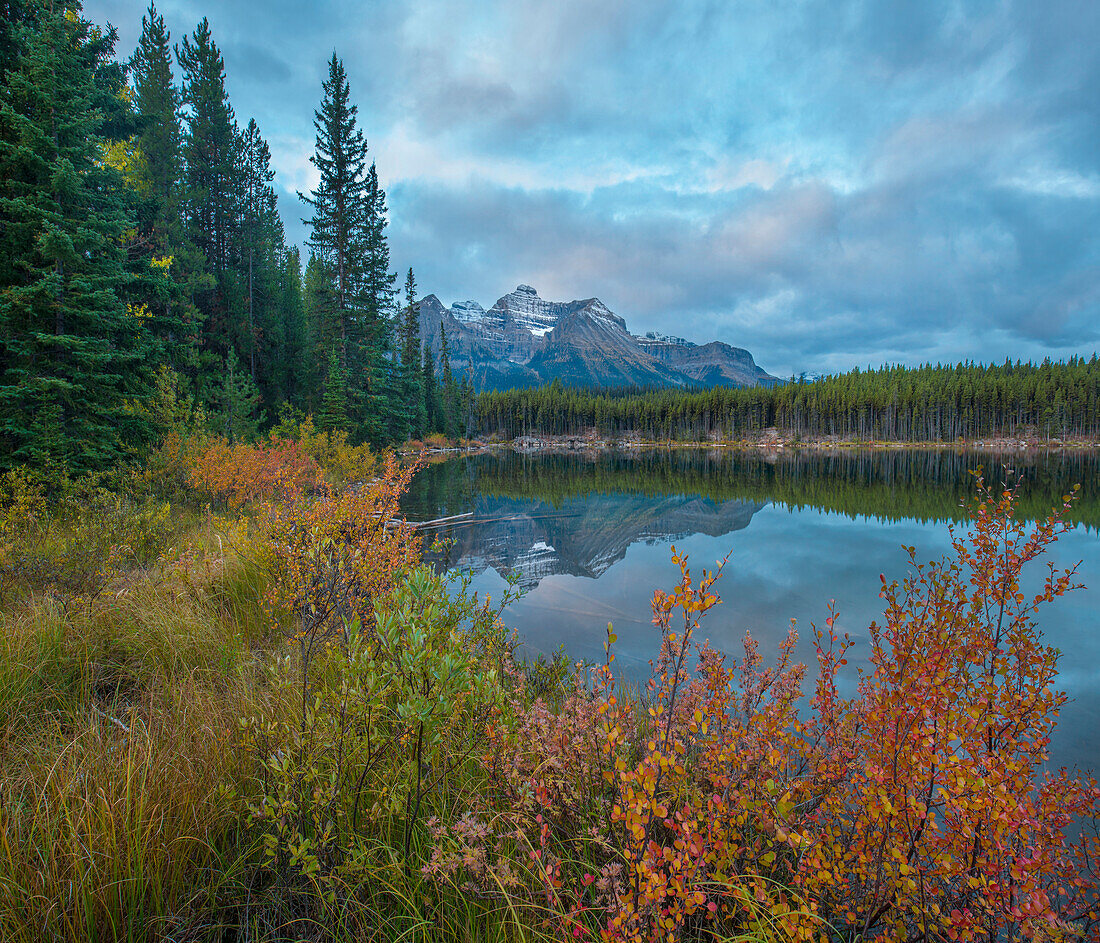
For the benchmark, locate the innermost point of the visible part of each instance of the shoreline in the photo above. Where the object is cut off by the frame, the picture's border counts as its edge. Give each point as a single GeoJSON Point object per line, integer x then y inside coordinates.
{"type": "Point", "coordinates": [591, 443]}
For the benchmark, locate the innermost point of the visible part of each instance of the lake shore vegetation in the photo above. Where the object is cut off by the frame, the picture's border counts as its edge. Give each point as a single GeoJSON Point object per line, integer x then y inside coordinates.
{"type": "Point", "coordinates": [237, 704]}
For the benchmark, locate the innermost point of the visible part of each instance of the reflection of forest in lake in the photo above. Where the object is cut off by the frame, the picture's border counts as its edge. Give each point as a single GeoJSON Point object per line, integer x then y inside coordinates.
{"type": "Point", "coordinates": [540, 515]}
{"type": "Point", "coordinates": [588, 536]}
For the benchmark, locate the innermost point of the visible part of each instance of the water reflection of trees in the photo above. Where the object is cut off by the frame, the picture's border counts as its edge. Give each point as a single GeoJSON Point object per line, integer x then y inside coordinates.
{"type": "Point", "coordinates": [926, 485]}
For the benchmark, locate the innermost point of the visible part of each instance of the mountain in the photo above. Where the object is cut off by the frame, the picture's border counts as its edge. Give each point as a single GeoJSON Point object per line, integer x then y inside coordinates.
{"type": "Point", "coordinates": [524, 340]}
{"type": "Point", "coordinates": [585, 536]}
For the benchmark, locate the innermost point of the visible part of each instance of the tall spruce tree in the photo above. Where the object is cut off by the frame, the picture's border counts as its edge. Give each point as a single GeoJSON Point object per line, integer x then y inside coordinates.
{"type": "Point", "coordinates": [263, 251]}
{"type": "Point", "coordinates": [339, 224]}
{"type": "Point", "coordinates": [334, 400]}
{"type": "Point", "coordinates": [239, 415]}
{"type": "Point", "coordinates": [383, 413]}
{"type": "Point", "coordinates": [288, 375]}
{"type": "Point", "coordinates": [412, 387]}
{"type": "Point", "coordinates": [322, 337]}
{"type": "Point", "coordinates": [173, 265]}
{"type": "Point", "coordinates": [211, 194]}
{"type": "Point", "coordinates": [349, 251]}
{"type": "Point", "coordinates": [432, 407]}
{"type": "Point", "coordinates": [159, 142]}
{"type": "Point", "coordinates": [449, 394]}
{"type": "Point", "coordinates": [72, 352]}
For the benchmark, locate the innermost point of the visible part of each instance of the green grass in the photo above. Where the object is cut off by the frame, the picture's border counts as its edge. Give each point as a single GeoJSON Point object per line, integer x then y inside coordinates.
{"type": "Point", "coordinates": [124, 779]}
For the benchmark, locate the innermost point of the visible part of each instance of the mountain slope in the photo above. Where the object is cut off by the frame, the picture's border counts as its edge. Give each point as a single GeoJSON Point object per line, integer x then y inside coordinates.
{"type": "Point", "coordinates": [591, 347]}
{"type": "Point", "coordinates": [524, 340]}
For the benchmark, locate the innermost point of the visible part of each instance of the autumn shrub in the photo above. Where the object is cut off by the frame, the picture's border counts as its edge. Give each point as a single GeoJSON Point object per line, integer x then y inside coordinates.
{"type": "Point", "coordinates": [341, 462]}
{"type": "Point", "coordinates": [168, 468]}
{"type": "Point", "coordinates": [389, 664]}
{"type": "Point", "coordinates": [241, 474]}
{"type": "Point", "coordinates": [712, 806]}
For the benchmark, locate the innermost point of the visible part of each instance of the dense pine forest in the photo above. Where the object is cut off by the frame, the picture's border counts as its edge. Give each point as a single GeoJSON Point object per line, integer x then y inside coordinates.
{"type": "Point", "coordinates": [145, 275]}
{"type": "Point", "coordinates": [144, 268]}
{"type": "Point", "coordinates": [929, 403]}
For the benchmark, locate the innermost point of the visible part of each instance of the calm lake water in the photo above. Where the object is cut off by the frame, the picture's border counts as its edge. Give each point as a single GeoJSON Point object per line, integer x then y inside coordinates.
{"type": "Point", "coordinates": [589, 538]}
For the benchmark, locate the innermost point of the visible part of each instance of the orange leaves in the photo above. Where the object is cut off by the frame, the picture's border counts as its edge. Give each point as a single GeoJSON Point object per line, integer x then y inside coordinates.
{"type": "Point", "coordinates": [332, 556]}
{"type": "Point", "coordinates": [936, 811]}
{"type": "Point", "coordinates": [910, 805]}
{"type": "Point", "coordinates": [240, 474]}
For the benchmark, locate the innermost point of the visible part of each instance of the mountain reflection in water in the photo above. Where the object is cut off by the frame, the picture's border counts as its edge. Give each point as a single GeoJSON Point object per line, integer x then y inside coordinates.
{"type": "Point", "coordinates": [535, 539]}
{"type": "Point", "coordinates": [588, 538]}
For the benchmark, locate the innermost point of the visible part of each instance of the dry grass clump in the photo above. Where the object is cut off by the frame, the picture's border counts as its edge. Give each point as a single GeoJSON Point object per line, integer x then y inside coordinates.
{"type": "Point", "coordinates": [121, 763]}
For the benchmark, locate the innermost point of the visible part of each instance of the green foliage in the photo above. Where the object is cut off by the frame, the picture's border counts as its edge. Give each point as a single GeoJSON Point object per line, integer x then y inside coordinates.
{"type": "Point", "coordinates": [349, 289]}
{"type": "Point", "coordinates": [390, 710]}
{"type": "Point", "coordinates": [930, 403]}
{"type": "Point", "coordinates": [72, 538]}
{"type": "Point", "coordinates": [238, 415]}
{"type": "Point", "coordinates": [71, 350]}
{"type": "Point", "coordinates": [411, 421]}
{"type": "Point", "coordinates": [334, 401]}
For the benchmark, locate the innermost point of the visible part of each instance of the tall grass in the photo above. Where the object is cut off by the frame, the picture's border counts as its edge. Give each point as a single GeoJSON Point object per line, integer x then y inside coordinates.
{"type": "Point", "coordinates": [120, 774]}
{"type": "Point", "coordinates": [124, 781]}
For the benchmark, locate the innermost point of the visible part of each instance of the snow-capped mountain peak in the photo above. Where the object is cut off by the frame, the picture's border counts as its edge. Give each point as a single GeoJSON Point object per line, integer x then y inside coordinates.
{"type": "Point", "coordinates": [523, 340]}
{"type": "Point", "coordinates": [658, 338]}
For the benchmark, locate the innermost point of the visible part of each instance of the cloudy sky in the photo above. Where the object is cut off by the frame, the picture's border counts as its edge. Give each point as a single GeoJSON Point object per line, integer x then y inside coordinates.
{"type": "Point", "coordinates": [829, 183]}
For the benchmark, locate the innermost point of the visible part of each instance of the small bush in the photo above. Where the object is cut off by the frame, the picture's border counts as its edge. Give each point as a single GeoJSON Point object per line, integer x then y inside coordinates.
{"type": "Point", "coordinates": [242, 474]}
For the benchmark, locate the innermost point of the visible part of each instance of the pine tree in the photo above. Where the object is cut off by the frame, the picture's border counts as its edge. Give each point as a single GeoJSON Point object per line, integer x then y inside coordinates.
{"type": "Point", "coordinates": [159, 142]}
{"type": "Point", "coordinates": [432, 407]}
{"type": "Point", "coordinates": [212, 189]}
{"type": "Point", "coordinates": [449, 420]}
{"type": "Point", "coordinates": [348, 241]}
{"type": "Point", "coordinates": [334, 401]}
{"type": "Point", "coordinates": [172, 265]}
{"type": "Point", "coordinates": [340, 211]}
{"type": "Point", "coordinates": [383, 417]}
{"type": "Point", "coordinates": [322, 337]}
{"type": "Point", "coordinates": [262, 259]}
{"type": "Point", "coordinates": [412, 391]}
{"type": "Point", "coordinates": [71, 351]}
{"type": "Point", "coordinates": [238, 402]}
{"type": "Point", "coordinates": [289, 366]}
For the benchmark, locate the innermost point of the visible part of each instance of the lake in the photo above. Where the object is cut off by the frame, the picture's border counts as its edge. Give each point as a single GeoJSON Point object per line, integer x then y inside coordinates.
{"type": "Point", "coordinates": [588, 537]}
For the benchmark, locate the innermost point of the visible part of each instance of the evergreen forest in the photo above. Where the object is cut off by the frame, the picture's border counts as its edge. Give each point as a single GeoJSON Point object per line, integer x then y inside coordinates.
{"type": "Point", "coordinates": [144, 268]}
{"type": "Point", "coordinates": [932, 403]}
{"type": "Point", "coordinates": [145, 275]}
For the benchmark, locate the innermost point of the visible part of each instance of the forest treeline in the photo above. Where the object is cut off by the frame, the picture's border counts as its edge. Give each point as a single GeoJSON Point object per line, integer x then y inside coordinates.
{"type": "Point", "coordinates": [929, 403]}
{"type": "Point", "coordinates": [146, 280]}
{"type": "Point", "coordinates": [144, 269]}
{"type": "Point", "coordinates": [920, 484]}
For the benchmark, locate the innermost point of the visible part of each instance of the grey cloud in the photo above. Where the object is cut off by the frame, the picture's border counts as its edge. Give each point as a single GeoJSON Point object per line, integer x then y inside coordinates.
{"type": "Point", "coordinates": [936, 163]}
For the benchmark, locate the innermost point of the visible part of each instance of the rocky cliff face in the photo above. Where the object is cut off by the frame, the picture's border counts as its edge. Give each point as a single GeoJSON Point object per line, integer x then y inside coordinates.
{"type": "Point", "coordinates": [524, 340]}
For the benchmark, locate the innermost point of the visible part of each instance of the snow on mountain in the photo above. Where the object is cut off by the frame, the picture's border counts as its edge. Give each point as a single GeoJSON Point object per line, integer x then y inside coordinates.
{"type": "Point", "coordinates": [467, 311]}
{"type": "Point", "coordinates": [659, 338]}
{"type": "Point", "coordinates": [524, 340]}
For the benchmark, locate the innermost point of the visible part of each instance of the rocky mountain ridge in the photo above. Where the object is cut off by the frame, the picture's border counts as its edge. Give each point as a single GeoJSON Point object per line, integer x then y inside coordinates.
{"type": "Point", "coordinates": [524, 340]}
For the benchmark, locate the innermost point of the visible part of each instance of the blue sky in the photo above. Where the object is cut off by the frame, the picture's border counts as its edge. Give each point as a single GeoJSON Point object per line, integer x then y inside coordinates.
{"type": "Point", "coordinates": [829, 183]}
